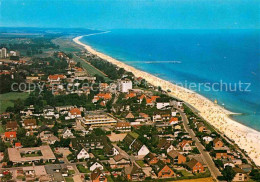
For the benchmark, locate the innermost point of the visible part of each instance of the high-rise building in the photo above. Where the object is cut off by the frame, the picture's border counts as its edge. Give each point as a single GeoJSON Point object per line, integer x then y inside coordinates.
{"type": "Point", "coordinates": [125, 85]}
{"type": "Point", "coordinates": [3, 53]}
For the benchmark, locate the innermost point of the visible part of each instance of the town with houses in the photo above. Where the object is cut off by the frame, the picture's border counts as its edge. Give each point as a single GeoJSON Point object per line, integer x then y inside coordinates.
{"type": "Point", "coordinates": [112, 126]}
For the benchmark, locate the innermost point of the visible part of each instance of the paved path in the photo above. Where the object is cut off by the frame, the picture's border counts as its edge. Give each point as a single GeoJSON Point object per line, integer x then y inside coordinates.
{"type": "Point", "coordinates": [205, 155]}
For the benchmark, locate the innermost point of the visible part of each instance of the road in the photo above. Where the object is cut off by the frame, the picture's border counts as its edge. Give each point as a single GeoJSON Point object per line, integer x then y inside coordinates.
{"type": "Point", "coordinates": [205, 155]}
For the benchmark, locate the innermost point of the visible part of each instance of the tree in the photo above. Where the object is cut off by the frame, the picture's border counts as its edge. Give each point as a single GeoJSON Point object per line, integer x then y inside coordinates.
{"type": "Point", "coordinates": [255, 174]}
{"type": "Point", "coordinates": [228, 173]}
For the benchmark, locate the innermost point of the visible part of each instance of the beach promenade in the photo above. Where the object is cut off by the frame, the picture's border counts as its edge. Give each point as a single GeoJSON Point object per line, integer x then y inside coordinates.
{"type": "Point", "coordinates": [246, 138]}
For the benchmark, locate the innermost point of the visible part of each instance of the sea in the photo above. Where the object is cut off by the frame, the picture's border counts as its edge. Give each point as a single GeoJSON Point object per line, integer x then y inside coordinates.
{"type": "Point", "coordinates": [222, 65]}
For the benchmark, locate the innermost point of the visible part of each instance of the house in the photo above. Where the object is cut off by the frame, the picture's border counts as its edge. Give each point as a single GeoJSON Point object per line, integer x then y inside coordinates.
{"type": "Point", "coordinates": [173, 121]}
{"type": "Point", "coordinates": [18, 145]}
{"type": "Point", "coordinates": [103, 96]}
{"type": "Point", "coordinates": [207, 139]}
{"type": "Point", "coordinates": [151, 159]}
{"type": "Point", "coordinates": [133, 173]}
{"type": "Point", "coordinates": [74, 113]}
{"type": "Point", "coordinates": [30, 124]}
{"type": "Point", "coordinates": [83, 154]}
{"type": "Point", "coordinates": [241, 175]}
{"type": "Point", "coordinates": [95, 165]}
{"type": "Point", "coordinates": [55, 79]}
{"type": "Point", "coordinates": [162, 170]}
{"type": "Point", "coordinates": [125, 85]}
{"type": "Point", "coordinates": [98, 176]}
{"type": "Point", "coordinates": [67, 133]}
{"type": "Point", "coordinates": [185, 145]}
{"type": "Point", "coordinates": [162, 115]}
{"type": "Point", "coordinates": [165, 145]}
{"type": "Point", "coordinates": [94, 142]}
{"type": "Point", "coordinates": [221, 154]}
{"type": "Point", "coordinates": [130, 95]}
{"type": "Point", "coordinates": [118, 161]}
{"type": "Point", "coordinates": [10, 135]}
{"type": "Point", "coordinates": [162, 103]}
{"type": "Point", "coordinates": [217, 143]}
{"type": "Point", "coordinates": [136, 145]}
{"type": "Point", "coordinates": [97, 119]}
{"type": "Point", "coordinates": [11, 126]}
{"type": "Point", "coordinates": [195, 166]}
{"type": "Point", "coordinates": [48, 137]}
{"type": "Point", "coordinates": [123, 126]}
{"type": "Point", "coordinates": [201, 127]}
{"type": "Point", "coordinates": [21, 155]}
{"type": "Point", "coordinates": [144, 116]}
{"type": "Point", "coordinates": [176, 157]}
{"type": "Point", "coordinates": [129, 116]}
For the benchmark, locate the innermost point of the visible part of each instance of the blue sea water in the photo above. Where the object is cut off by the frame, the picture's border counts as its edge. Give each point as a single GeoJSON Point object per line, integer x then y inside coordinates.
{"type": "Point", "coordinates": [204, 56]}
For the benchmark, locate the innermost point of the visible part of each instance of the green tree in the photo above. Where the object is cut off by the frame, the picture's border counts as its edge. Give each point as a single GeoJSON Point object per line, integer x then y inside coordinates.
{"type": "Point", "coordinates": [228, 173]}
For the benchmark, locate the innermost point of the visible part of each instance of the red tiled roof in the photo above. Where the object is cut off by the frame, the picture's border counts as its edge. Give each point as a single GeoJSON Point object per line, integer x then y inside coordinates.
{"type": "Point", "coordinates": [75, 111]}
{"type": "Point", "coordinates": [173, 119]}
{"type": "Point", "coordinates": [105, 96]}
{"type": "Point", "coordinates": [10, 134]}
{"type": "Point", "coordinates": [18, 144]}
{"type": "Point", "coordinates": [55, 77]}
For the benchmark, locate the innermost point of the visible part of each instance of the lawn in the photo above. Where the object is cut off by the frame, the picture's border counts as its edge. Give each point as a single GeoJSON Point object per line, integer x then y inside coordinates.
{"type": "Point", "coordinates": [69, 179]}
{"type": "Point", "coordinates": [140, 163]}
{"type": "Point", "coordinates": [82, 169]}
{"type": "Point", "coordinates": [2, 130]}
{"type": "Point", "coordinates": [185, 173]}
{"type": "Point", "coordinates": [7, 99]}
{"type": "Point", "coordinates": [133, 134]}
{"type": "Point", "coordinates": [88, 67]}
{"type": "Point", "coordinates": [67, 45]}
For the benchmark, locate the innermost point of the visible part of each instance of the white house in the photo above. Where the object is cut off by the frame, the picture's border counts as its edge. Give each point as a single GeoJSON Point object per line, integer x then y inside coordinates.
{"type": "Point", "coordinates": [83, 154]}
{"type": "Point", "coordinates": [96, 165]}
{"type": "Point", "coordinates": [162, 103]}
{"type": "Point", "coordinates": [67, 133]}
{"type": "Point", "coordinates": [115, 151]}
{"type": "Point", "coordinates": [74, 113]}
{"type": "Point", "coordinates": [143, 151]}
{"type": "Point", "coordinates": [207, 139]}
{"type": "Point", "coordinates": [125, 85]}
{"type": "Point", "coordinates": [169, 148]}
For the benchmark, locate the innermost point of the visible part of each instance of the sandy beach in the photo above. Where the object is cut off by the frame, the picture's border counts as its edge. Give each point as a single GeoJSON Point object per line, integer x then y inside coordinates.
{"type": "Point", "coordinates": [246, 138]}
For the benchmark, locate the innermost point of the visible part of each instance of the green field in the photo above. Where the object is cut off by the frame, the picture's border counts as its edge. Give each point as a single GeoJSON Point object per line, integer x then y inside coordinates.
{"type": "Point", "coordinates": [7, 100]}
{"type": "Point", "coordinates": [69, 179]}
{"type": "Point", "coordinates": [66, 45]}
{"type": "Point", "coordinates": [90, 69]}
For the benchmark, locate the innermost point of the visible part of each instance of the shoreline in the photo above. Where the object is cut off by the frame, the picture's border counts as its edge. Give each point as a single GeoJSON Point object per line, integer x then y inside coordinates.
{"type": "Point", "coordinates": [245, 137]}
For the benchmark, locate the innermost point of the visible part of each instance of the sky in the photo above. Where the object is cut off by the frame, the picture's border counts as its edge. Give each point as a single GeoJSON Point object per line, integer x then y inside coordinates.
{"type": "Point", "coordinates": [136, 14]}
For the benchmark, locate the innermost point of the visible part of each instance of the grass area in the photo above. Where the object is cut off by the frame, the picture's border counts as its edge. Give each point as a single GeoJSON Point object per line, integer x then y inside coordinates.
{"type": "Point", "coordinates": [2, 130]}
{"type": "Point", "coordinates": [82, 169]}
{"type": "Point", "coordinates": [133, 134]}
{"type": "Point", "coordinates": [71, 172]}
{"type": "Point", "coordinates": [185, 173]}
{"type": "Point", "coordinates": [66, 44]}
{"type": "Point", "coordinates": [7, 99]}
{"type": "Point", "coordinates": [140, 163]}
{"type": "Point", "coordinates": [69, 179]}
{"type": "Point", "coordinates": [31, 155]}
{"type": "Point", "coordinates": [88, 67]}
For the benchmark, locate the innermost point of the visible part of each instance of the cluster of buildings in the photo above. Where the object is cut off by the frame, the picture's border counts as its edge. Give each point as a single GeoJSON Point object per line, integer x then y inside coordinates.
{"type": "Point", "coordinates": [5, 54]}
{"type": "Point", "coordinates": [143, 137]}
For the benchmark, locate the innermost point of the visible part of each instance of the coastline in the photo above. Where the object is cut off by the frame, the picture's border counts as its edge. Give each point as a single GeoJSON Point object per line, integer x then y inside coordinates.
{"type": "Point", "coordinates": [246, 138]}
